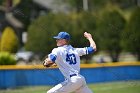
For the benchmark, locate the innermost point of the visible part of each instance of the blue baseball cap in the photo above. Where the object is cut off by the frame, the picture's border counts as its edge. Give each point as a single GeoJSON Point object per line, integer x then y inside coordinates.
{"type": "Point", "coordinates": [62, 35]}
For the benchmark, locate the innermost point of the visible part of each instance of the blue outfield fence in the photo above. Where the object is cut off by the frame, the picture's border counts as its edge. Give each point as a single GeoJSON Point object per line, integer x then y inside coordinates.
{"type": "Point", "coordinates": [13, 76]}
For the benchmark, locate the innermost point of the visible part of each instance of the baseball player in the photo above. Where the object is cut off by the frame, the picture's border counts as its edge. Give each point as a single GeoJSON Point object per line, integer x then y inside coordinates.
{"type": "Point", "coordinates": [67, 58]}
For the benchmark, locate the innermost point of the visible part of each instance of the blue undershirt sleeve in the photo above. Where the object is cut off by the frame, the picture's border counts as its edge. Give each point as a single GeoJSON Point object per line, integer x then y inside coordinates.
{"type": "Point", "coordinates": [89, 50]}
{"type": "Point", "coordinates": [52, 57]}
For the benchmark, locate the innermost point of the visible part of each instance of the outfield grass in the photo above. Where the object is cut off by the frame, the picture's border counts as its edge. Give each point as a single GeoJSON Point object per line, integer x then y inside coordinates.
{"type": "Point", "coordinates": [117, 87]}
{"type": "Point", "coordinates": [114, 87]}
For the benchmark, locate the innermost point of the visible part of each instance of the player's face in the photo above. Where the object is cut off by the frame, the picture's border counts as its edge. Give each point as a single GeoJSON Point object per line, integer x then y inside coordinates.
{"type": "Point", "coordinates": [61, 42]}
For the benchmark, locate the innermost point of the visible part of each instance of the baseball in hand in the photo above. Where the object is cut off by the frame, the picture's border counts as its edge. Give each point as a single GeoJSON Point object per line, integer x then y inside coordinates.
{"type": "Point", "coordinates": [87, 35]}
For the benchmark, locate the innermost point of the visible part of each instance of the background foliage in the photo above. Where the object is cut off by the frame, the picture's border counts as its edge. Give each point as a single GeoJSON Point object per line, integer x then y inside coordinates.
{"type": "Point", "coordinates": [9, 40]}
{"type": "Point", "coordinates": [111, 22]}
{"type": "Point", "coordinates": [110, 27]}
{"type": "Point", "coordinates": [131, 35]}
{"type": "Point", "coordinates": [7, 59]}
{"type": "Point", "coordinates": [45, 27]}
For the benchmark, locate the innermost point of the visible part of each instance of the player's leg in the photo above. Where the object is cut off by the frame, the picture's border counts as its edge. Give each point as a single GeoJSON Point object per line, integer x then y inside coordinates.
{"type": "Point", "coordinates": [68, 86]}
{"type": "Point", "coordinates": [57, 87]}
{"type": "Point", "coordinates": [72, 84]}
{"type": "Point", "coordinates": [84, 89]}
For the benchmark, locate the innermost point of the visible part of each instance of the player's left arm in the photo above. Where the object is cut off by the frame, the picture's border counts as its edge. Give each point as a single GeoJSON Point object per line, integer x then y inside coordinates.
{"type": "Point", "coordinates": [50, 61]}
{"type": "Point", "coordinates": [47, 62]}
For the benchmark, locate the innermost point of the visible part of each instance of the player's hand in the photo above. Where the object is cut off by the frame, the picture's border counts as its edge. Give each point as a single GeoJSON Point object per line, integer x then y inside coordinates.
{"type": "Point", "coordinates": [87, 35]}
{"type": "Point", "coordinates": [53, 65]}
{"type": "Point", "coordinates": [48, 63]}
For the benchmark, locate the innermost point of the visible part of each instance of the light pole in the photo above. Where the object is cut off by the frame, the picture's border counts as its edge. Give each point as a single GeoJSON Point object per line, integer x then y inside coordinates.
{"type": "Point", "coordinates": [85, 5]}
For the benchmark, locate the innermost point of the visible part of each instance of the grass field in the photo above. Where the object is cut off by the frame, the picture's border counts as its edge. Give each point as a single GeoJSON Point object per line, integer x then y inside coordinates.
{"type": "Point", "coordinates": [114, 87]}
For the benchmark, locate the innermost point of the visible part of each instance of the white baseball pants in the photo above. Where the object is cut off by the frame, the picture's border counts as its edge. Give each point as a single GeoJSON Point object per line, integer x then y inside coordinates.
{"type": "Point", "coordinates": [75, 84]}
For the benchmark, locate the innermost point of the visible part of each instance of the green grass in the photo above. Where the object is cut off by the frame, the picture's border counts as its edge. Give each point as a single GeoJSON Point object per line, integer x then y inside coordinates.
{"type": "Point", "coordinates": [114, 87]}
{"type": "Point", "coordinates": [117, 87]}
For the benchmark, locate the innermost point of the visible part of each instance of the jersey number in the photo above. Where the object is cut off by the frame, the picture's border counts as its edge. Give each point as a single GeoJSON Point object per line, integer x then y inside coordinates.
{"type": "Point", "coordinates": [71, 59]}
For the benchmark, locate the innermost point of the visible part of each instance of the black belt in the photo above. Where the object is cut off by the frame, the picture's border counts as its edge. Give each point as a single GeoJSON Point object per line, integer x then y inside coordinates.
{"type": "Point", "coordinates": [73, 75]}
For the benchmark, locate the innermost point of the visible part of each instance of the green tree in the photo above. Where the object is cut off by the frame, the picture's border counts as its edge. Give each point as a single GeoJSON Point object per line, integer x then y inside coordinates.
{"type": "Point", "coordinates": [125, 3]}
{"type": "Point", "coordinates": [9, 40]}
{"type": "Point", "coordinates": [131, 35]}
{"type": "Point", "coordinates": [92, 4]}
{"type": "Point", "coordinates": [1, 2]}
{"type": "Point", "coordinates": [95, 5]}
{"type": "Point", "coordinates": [81, 22]}
{"type": "Point", "coordinates": [7, 59]}
{"type": "Point", "coordinates": [109, 28]}
{"type": "Point", "coordinates": [42, 30]}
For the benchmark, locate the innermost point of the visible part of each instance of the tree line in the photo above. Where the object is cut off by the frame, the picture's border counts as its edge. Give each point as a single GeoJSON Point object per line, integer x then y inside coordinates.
{"type": "Point", "coordinates": [111, 30]}
{"type": "Point", "coordinates": [114, 28]}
